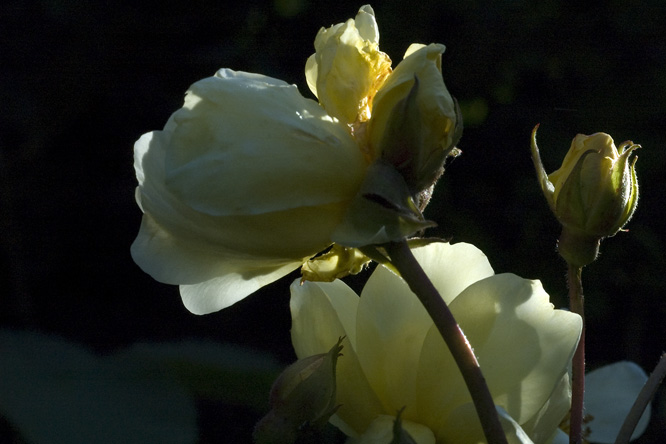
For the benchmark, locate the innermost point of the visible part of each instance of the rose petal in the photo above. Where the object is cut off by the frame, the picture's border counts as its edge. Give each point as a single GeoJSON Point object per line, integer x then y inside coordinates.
{"type": "Point", "coordinates": [525, 353]}
{"type": "Point", "coordinates": [392, 323]}
{"type": "Point", "coordinates": [347, 67]}
{"type": "Point", "coordinates": [453, 267]}
{"type": "Point", "coordinates": [267, 147]}
{"type": "Point", "coordinates": [523, 346]}
{"type": "Point", "coordinates": [469, 434]}
{"type": "Point", "coordinates": [610, 391]}
{"type": "Point", "coordinates": [174, 260]}
{"type": "Point", "coordinates": [391, 326]}
{"type": "Point", "coordinates": [540, 428]}
{"type": "Point", "coordinates": [232, 286]}
{"type": "Point", "coordinates": [433, 99]}
{"type": "Point", "coordinates": [381, 432]}
{"type": "Point", "coordinates": [321, 313]}
{"type": "Point", "coordinates": [209, 280]}
{"type": "Point", "coordinates": [367, 24]}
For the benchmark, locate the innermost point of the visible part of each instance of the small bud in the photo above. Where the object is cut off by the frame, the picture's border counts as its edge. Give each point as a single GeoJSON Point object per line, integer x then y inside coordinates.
{"type": "Point", "coordinates": [593, 194]}
{"type": "Point", "coordinates": [416, 123]}
{"type": "Point", "coordinates": [302, 397]}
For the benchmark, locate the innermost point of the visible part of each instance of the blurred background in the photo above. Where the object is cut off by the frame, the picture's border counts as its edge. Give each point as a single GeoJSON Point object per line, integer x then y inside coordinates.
{"type": "Point", "coordinates": [81, 81]}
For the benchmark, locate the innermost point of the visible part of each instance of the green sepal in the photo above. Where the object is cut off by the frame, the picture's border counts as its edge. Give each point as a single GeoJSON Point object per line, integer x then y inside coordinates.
{"type": "Point", "coordinates": [382, 211]}
{"type": "Point", "coordinates": [302, 399]}
{"type": "Point", "coordinates": [547, 186]}
{"type": "Point", "coordinates": [400, 435]}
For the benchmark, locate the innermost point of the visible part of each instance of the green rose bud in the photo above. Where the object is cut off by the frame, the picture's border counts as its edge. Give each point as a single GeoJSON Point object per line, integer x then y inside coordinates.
{"type": "Point", "coordinates": [593, 194]}
{"type": "Point", "coordinates": [302, 398]}
{"type": "Point", "coordinates": [416, 123]}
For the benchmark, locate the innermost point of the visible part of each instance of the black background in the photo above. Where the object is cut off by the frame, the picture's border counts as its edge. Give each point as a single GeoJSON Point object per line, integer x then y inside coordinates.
{"type": "Point", "coordinates": [81, 81]}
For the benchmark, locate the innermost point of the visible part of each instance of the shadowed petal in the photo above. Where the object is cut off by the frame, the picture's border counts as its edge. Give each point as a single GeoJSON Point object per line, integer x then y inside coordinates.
{"type": "Point", "coordinates": [541, 426]}
{"type": "Point", "coordinates": [381, 432]}
{"type": "Point", "coordinates": [523, 346]}
{"type": "Point", "coordinates": [529, 346]}
{"type": "Point", "coordinates": [321, 313]}
{"type": "Point", "coordinates": [471, 432]}
{"type": "Point", "coordinates": [391, 326]}
{"type": "Point", "coordinates": [392, 322]}
{"type": "Point", "coordinates": [610, 391]}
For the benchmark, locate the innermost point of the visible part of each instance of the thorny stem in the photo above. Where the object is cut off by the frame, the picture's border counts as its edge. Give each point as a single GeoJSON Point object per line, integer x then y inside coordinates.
{"type": "Point", "coordinates": [410, 270]}
{"type": "Point", "coordinates": [576, 305]}
{"type": "Point", "coordinates": [644, 397]}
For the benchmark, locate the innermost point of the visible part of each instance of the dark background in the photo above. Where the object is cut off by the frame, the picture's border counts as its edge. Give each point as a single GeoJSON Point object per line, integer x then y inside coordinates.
{"type": "Point", "coordinates": [81, 81]}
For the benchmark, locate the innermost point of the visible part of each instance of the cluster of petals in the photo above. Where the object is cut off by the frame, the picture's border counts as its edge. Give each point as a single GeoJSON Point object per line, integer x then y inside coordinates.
{"type": "Point", "coordinates": [394, 357]}
{"type": "Point", "coordinates": [249, 179]}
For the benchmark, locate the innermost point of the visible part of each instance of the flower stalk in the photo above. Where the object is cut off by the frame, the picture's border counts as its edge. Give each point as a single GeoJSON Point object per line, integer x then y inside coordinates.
{"type": "Point", "coordinates": [642, 401]}
{"type": "Point", "coordinates": [576, 304]}
{"type": "Point", "coordinates": [410, 270]}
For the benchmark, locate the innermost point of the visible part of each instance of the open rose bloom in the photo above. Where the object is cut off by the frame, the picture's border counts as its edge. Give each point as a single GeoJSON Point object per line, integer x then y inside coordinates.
{"type": "Point", "coordinates": [249, 179]}
{"type": "Point", "coordinates": [244, 184]}
{"type": "Point", "coordinates": [394, 356]}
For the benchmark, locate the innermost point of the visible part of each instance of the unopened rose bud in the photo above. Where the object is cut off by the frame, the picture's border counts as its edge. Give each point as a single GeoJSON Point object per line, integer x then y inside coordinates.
{"type": "Point", "coordinates": [593, 194]}
{"type": "Point", "coordinates": [302, 397]}
{"type": "Point", "coordinates": [415, 123]}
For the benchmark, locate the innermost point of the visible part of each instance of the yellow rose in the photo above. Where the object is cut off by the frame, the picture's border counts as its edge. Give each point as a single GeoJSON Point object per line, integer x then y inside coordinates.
{"type": "Point", "coordinates": [593, 194]}
{"type": "Point", "coordinates": [245, 183]}
{"type": "Point", "coordinates": [595, 190]}
{"type": "Point", "coordinates": [347, 68]}
{"type": "Point", "coordinates": [354, 82]}
{"type": "Point", "coordinates": [405, 122]}
{"type": "Point", "coordinates": [394, 356]}
{"type": "Point", "coordinates": [249, 180]}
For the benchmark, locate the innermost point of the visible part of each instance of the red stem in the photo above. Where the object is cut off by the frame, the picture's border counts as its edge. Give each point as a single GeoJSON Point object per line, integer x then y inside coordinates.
{"type": "Point", "coordinates": [576, 304]}
{"type": "Point", "coordinates": [643, 399]}
{"type": "Point", "coordinates": [410, 270]}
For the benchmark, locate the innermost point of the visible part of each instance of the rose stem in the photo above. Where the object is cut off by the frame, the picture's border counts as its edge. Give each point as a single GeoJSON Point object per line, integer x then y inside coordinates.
{"type": "Point", "coordinates": [410, 270]}
{"type": "Point", "coordinates": [578, 364]}
{"type": "Point", "coordinates": [644, 397]}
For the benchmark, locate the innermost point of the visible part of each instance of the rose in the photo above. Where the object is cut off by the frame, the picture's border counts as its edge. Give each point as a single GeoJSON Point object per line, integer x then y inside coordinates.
{"type": "Point", "coordinates": [394, 356]}
{"type": "Point", "coordinates": [249, 180]}
{"type": "Point", "coordinates": [593, 194]}
{"type": "Point", "coordinates": [244, 184]}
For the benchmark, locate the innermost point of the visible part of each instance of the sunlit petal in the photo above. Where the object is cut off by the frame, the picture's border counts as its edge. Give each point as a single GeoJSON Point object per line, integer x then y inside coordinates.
{"type": "Point", "coordinates": [321, 313]}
